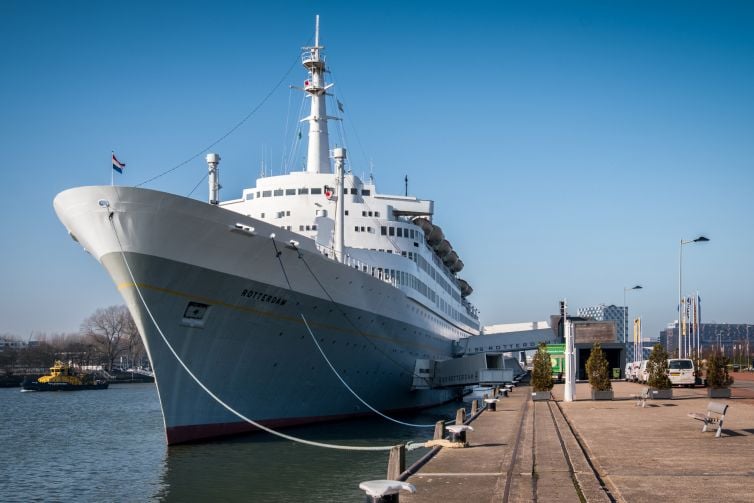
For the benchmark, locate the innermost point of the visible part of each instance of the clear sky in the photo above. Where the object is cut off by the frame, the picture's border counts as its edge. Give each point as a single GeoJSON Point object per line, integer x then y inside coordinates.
{"type": "Point", "coordinates": [568, 146]}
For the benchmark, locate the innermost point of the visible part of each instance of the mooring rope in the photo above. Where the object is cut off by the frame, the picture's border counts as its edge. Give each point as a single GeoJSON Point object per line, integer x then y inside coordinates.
{"type": "Point", "coordinates": [327, 360]}
{"type": "Point", "coordinates": [214, 396]}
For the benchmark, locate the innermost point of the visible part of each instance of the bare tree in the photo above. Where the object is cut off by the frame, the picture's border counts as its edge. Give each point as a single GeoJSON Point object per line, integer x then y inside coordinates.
{"type": "Point", "coordinates": [107, 328]}
{"type": "Point", "coordinates": [133, 340]}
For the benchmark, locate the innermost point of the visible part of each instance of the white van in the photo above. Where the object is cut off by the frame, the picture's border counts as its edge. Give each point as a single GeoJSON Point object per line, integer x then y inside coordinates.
{"type": "Point", "coordinates": [643, 374]}
{"type": "Point", "coordinates": [681, 372]}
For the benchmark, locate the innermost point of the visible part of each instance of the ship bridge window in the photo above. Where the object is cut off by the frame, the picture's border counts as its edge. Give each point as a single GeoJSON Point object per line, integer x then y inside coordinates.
{"type": "Point", "coordinates": [376, 213]}
{"type": "Point", "coordinates": [391, 231]}
{"type": "Point", "coordinates": [304, 190]}
{"type": "Point", "coordinates": [355, 191]}
{"type": "Point", "coordinates": [346, 212]}
{"type": "Point", "coordinates": [363, 213]}
{"type": "Point", "coordinates": [278, 192]}
{"type": "Point", "coordinates": [383, 230]}
{"type": "Point", "coordinates": [266, 193]}
{"type": "Point", "coordinates": [400, 232]}
{"type": "Point", "coordinates": [290, 192]}
{"type": "Point", "coordinates": [365, 192]}
{"type": "Point", "coordinates": [249, 196]}
{"type": "Point", "coordinates": [316, 190]}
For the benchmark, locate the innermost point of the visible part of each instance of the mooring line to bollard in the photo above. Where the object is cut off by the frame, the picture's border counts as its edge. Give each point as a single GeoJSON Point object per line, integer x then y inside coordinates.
{"type": "Point", "coordinates": [327, 360]}
{"type": "Point", "coordinates": [351, 389]}
{"type": "Point", "coordinates": [215, 397]}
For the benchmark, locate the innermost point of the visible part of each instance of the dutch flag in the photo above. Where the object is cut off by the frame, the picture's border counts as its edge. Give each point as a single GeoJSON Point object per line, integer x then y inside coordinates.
{"type": "Point", "coordinates": [117, 165]}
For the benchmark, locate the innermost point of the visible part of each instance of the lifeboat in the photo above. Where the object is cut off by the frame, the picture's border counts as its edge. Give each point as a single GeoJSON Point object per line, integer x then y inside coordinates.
{"type": "Point", "coordinates": [435, 236]}
{"type": "Point", "coordinates": [457, 266]}
{"type": "Point", "coordinates": [465, 288]}
{"type": "Point", "coordinates": [450, 259]}
{"type": "Point", "coordinates": [443, 248]}
{"type": "Point", "coordinates": [424, 224]}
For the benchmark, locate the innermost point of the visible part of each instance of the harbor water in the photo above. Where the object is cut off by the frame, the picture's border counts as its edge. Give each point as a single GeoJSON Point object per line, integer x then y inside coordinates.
{"type": "Point", "coordinates": [109, 445]}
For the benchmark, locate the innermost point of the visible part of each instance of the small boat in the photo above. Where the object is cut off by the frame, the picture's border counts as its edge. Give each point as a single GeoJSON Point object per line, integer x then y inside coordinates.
{"type": "Point", "coordinates": [63, 377]}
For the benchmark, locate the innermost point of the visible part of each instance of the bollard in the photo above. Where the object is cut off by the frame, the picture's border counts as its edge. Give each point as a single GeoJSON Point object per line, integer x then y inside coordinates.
{"type": "Point", "coordinates": [396, 463]}
{"type": "Point", "coordinates": [460, 416]}
{"type": "Point", "coordinates": [385, 491]}
{"type": "Point", "coordinates": [505, 392]}
{"type": "Point", "coordinates": [474, 407]}
{"type": "Point", "coordinates": [439, 430]}
{"type": "Point", "coordinates": [458, 432]}
{"type": "Point", "coordinates": [491, 404]}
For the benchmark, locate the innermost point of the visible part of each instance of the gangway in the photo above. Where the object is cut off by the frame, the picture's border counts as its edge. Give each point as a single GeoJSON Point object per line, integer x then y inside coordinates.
{"type": "Point", "coordinates": [480, 368]}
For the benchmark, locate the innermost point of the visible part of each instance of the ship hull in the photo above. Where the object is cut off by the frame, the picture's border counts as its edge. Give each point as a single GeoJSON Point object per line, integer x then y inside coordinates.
{"type": "Point", "coordinates": [63, 386]}
{"type": "Point", "coordinates": [242, 309]}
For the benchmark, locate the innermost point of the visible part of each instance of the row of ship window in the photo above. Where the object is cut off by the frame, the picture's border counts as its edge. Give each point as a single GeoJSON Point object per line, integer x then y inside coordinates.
{"type": "Point", "coordinates": [400, 232]}
{"type": "Point", "coordinates": [312, 227]}
{"type": "Point", "coordinates": [301, 191]}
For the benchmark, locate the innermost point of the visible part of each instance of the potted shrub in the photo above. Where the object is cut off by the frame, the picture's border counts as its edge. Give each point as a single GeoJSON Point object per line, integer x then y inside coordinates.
{"type": "Point", "coordinates": [658, 380]}
{"type": "Point", "coordinates": [597, 369]}
{"type": "Point", "coordinates": [718, 378]}
{"type": "Point", "coordinates": [541, 374]}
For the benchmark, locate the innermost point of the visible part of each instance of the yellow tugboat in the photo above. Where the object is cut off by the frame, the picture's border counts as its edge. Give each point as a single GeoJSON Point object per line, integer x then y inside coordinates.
{"type": "Point", "coordinates": [63, 377]}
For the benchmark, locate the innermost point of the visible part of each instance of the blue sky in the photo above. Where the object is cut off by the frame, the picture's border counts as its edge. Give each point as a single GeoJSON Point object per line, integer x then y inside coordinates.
{"type": "Point", "coordinates": [568, 146]}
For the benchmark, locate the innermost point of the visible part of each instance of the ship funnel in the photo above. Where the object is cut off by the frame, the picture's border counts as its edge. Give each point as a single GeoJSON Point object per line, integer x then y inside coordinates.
{"type": "Point", "coordinates": [213, 160]}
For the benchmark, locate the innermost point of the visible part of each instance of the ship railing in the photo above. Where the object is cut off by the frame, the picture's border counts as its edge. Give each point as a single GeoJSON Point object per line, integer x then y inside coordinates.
{"type": "Point", "coordinates": [360, 265]}
{"type": "Point", "coordinates": [471, 310]}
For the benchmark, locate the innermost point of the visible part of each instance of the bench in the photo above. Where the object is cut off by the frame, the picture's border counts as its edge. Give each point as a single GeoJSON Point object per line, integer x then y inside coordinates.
{"type": "Point", "coordinates": [641, 397]}
{"type": "Point", "coordinates": [716, 408]}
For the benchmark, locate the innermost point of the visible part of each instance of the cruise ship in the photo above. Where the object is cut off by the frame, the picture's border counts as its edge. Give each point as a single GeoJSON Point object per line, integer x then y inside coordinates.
{"type": "Point", "coordinates": [273, 301]}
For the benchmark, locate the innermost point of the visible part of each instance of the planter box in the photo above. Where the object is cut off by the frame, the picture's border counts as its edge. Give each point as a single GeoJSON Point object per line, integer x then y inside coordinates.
{"type": "Point", "coordinates": [661, 394]}
{"type": "Point", "coordinates": [718, 392]}
{"type": "Point", "coordinates": [540, 395]}
{"type": "Point", "coordinates": [602, 395]}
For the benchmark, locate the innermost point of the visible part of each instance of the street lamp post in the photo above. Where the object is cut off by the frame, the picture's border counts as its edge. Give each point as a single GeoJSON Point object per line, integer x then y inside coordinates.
{"type": "Point", "coordinates": [681, 311]}
{"type": "Point", "coordinates": [625, 312]}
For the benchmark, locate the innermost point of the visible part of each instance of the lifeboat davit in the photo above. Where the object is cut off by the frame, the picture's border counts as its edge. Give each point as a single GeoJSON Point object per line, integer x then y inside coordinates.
{"type": "Point", "coordinates": [443, 248]}
{"type": "Point", "coordinates": [465, 288]}
{"type": "Point", "coordinates": [435, 237]}
{"type": "Point", "coordinates": [457, 266]}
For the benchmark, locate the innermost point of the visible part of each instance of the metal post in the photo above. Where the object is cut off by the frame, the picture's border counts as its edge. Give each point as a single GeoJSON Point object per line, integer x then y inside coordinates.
{"type": "Point", "coordinates": [681, 311]}
{"type": "Point", "coordinates": [569, 392]}
{"type": "Point", "coordinates": [625, 314]}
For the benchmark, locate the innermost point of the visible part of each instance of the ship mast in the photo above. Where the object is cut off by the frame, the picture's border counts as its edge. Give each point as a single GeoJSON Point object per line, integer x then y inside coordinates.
{"type": "Point", "coordinates": [317, 159]}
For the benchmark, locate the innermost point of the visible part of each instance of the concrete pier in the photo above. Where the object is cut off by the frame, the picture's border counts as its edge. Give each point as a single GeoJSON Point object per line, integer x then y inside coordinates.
{"type": "Point", "coordinates": [598, 451]}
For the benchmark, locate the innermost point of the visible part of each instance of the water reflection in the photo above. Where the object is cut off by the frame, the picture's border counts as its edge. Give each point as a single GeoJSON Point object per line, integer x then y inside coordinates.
{"type": "Point", "coordinates": [260, 467]}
